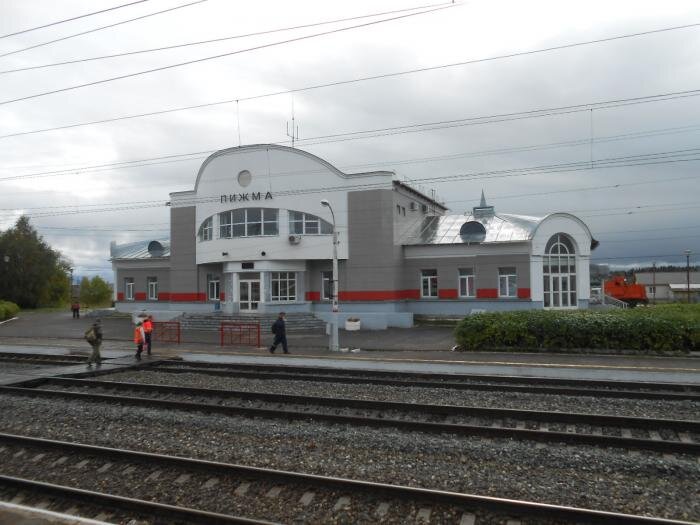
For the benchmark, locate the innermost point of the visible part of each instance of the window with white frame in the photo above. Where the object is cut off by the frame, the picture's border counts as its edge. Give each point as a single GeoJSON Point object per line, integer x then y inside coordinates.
{"type": "Point", "coordinates": [284, 286]}
{"type": "Point", "coordinates": [559, 273]}
{"type": "Point", "coordinates": [301, 223]}
{"type": "Point", "coordinates": [213, 287]}
{"type": "Point", "coordinates": [206, 230]}
{"type": "Point", "coordinates": [466, 282]}
{"type": "Point", "coordinates": [152, 288]}
{"type": "Point", "coordinates": [429, 283]}
{"type": "Point", "coordinates": [326, 286]}
{"type": "Point", "coordinates": [248, 222]}
{"type": "Point", "coordinates": [129, 288]}
{"type": "Point", "coordinates": [507, 282]}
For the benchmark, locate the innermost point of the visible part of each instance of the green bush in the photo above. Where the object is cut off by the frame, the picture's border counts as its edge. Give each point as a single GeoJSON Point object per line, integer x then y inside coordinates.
{"type": "Point", "coordinates": [654, 329]}
{"type": "Point", "coordinates": [8, 310]}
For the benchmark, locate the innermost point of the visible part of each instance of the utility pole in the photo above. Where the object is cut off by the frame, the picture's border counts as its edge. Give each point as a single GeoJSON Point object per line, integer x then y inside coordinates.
{"type": "Point", "coordinates": [334, 343]}
{"type": "Point", "coordinates": [687, 273]}
{"type": "Point", "coordinates": [653, 283]}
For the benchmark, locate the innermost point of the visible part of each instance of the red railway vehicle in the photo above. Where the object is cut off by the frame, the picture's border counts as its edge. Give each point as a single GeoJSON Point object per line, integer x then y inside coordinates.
{"type": "Point", "coordinates": [631, 293]}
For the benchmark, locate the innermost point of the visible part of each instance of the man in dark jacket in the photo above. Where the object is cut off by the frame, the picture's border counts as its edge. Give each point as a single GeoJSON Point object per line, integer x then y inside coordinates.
{"type": "Point", "coordinates": [94, 337]}
{"type": "Point", "coordinates": [280, 331]}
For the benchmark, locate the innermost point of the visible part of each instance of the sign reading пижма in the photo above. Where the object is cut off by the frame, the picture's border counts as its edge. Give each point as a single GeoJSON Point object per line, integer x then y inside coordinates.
{"type": "Point", "coordinates": [240, 197]}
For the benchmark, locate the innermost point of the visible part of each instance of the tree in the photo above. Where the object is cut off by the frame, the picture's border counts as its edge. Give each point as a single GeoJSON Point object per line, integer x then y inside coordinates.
{"type": "Point", "coordinates": [31, 272]}
{"type": "Point", "coordinates": [94, 291]}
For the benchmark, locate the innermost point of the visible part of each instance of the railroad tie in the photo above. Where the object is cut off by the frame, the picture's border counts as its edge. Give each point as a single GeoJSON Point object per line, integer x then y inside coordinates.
{"type": "Point", "coordinates": [597, 431]}
{"type": "Point", "coordinates": [273, 492]}
{"type": "Point", "coordinates": [307, 498]}
{"type": "Point", "coordinates": [60, 461]}
{"type": "Point", "coordinates": [514, 522]}
{"type": "Point", "coordinates": [2, 449]}
{"type": "Point", "coordinates": [520, 425]}
{"type": "Point", "coordinates": [383, 509]}
{"type": "Point", "coordinates": [626, 433]}
{"type": "Point", "coordinates": [43, 504]}
{"type": "Point", "coordinates": [211, 482]}
{"type": "Point", "coordinates": [423, 515]}
{"type": "Point", "coordinates": [103, 516]}
{"type": "Point", "coordinates": [129, 470]}
{"type": "Point", "coordinates": [19, 498]}
{"type": "Point", "coordinates": [183, 478]}
{"type": "Point", "coordinates": [544, 426]}
{"type": "Point", "coordinates": [72, 511]}
{"type": "Point", "coordinates": [342, 503]}
{"type": "Point", "coordinates": [571, 429]}
{"type": "Point", "coordinates": [154, 475]}
{"type": "Point", "coordinates": [683, 436]}
{"type": "Point", "coordinates": [18, 454]}
{"type": "Point", "coordinates": [38, 457]}
{"type": "Point", "coordinates": [242, 489]}
{"type": "Point", "coordinates": [104, 468]}
{"type": "Point", "coordinates": [654, 434]}
{"type": "Point", "coordinates": [81, 464]}
{"type": "Point", "coordinates": [467, 519]}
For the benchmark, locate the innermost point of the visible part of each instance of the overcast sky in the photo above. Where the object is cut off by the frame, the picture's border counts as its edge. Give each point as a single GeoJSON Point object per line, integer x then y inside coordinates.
{"type": "Point", "coordinates": [639, 213]}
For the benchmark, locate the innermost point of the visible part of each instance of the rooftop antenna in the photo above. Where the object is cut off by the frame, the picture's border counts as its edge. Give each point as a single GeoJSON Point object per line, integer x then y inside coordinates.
{"type": "Point", "coordinates": [294, 135]}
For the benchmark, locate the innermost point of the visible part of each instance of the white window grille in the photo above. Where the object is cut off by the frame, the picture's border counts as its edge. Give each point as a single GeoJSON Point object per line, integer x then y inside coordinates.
{"type": "Point", "coordinates": [284, 286]}
{"type": "Point", "coordinates": [429, 283]}
{"type": "Point", "coordinates": [301, 223]}
{"type": "Point", "coordinates": [129, 288]}
{"type": "Point", "coordinates": [507, 282]}
{"type": "Point", "coordinates": [466, 282]}
{"type": "Point", "coordinates": [213, 287]}
{"type": "Point", "coordinates": [152, 288]}
{"type": "Point", "coordinates": [206, 230]}
{"type": "Point", "coordinates": [559, 273]}
{"type": "Point", "coordinates": [248, 222]}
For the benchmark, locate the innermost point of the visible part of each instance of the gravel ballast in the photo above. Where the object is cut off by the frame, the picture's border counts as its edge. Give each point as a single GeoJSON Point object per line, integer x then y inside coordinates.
{"type": "Point", "coordinates": [577, 476]}
{"type": "Point", "coordinates": [684, 409]}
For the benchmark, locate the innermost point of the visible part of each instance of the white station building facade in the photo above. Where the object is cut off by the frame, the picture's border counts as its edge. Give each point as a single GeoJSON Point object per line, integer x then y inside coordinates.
{"type": "Point", "coordinates": [252, 236]}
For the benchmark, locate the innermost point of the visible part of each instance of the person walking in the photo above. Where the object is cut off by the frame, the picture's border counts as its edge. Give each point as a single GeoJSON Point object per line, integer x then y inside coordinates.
{"type": "Point", "coordinates": [75, 308]}
{"type": "Point", "coordinates": [94, 336]}
{"type": "Point", "coordinates": [139, 339]}
{"type": "Point", "coordinates": [148, 330]}
{"type": "Point", "coordinates": [280, 331]}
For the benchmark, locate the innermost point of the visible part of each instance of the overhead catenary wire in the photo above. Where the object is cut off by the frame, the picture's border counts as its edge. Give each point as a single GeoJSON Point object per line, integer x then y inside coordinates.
{"type": "Point", "coordinates": [329, 84]}
{"type": "Point", "coordinates": [222, 55]}
{"type": "Point", "coordinates": [22, 31]}
{"type": "Point", "coordinates": [213, 40]}
{"type": "Point", "coordinates": [101, 28]}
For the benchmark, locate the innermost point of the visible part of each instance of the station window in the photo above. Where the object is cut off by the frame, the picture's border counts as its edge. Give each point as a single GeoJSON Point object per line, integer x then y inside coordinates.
{"type": "Point", "coordinates": [213, 287]}
{"type": "Point", "coordinates": [129, 288]}
{"type": "Point", "coordinates": [466, 282]}
{"type": "Point", "coordinates": [248, 222]}
{"type": "Point", "coordinates": [429, 283]}
{"type": "Point", "coordinates": [507, 282]}
{"type": "Point", "coordinates": [206, 230]}
{"type": "Point", "coordinates": [559, 273]}
{"type": "Point", "coordinates": [301, 223]}
{"type": "Point", "coordinates": [284, 286]}
{"type": "Point", "coordinates": [326, 286]}
{"type": "Point", "coordinates": [152, 288]}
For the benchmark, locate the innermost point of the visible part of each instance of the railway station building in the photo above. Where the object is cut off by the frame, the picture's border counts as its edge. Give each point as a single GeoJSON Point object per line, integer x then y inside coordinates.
{"type": "Point", "coordinates": [253, 236]}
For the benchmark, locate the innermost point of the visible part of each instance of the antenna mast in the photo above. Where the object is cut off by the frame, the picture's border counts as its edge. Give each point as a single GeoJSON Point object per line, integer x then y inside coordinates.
{"type": "Point", "coordinates": [294, 134]}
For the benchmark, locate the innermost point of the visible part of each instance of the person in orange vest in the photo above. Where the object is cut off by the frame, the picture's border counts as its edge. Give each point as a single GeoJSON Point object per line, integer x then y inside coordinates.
{"type": "Point", "coordinates": [139, 338]}
{"type": "Point", "coordinates": [148, 330]}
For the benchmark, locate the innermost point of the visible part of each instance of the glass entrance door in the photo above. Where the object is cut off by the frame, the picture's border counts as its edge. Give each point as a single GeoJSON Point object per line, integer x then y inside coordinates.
{"type": "Point", "coordinates": [249, 295]}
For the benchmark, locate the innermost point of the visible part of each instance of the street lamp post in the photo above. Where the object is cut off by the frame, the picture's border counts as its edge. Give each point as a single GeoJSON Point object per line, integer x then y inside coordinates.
{"type": "Point", "coordinates": [687, 273]}
{"type": "Point", "coordinates": [334, 345]}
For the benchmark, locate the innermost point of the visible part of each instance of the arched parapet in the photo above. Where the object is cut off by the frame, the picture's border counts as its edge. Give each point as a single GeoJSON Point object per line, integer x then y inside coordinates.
{"type": "Point", "coordinates": [563, 223]}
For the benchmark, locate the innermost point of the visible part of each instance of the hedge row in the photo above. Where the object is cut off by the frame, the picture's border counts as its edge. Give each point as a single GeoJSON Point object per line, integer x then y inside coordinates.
{"type": "Point", "coordinates": [639, 329]}
{"type": "Point", "coordinates": [8, 310]}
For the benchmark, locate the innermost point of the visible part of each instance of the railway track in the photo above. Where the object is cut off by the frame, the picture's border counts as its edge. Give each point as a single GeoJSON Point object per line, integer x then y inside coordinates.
{"type": "Point", "coordinates": [575, 387]}
{"type": "Point", "coordinates": [41, 359]}
{"type": "Point", "coordinates": [660, 435]}
{"type": "Point", "coordinates": [61, 476]}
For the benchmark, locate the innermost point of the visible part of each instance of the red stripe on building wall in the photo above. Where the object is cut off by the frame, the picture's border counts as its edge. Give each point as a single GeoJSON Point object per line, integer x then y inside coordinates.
{"type": "Point", "coordinates": [222, 296]}
{"type": "Point", "coordinates": [447, 293]}
{"type": "Point", "coordinates": [120, 296]}
{"type": "Point", "coordinates": [378, 295]}
{"type": "Point", "coordinates": [312, 296]}
{"type": "Point", "coordinates": [164, 296]}
{"type": "Point", "coordinates": [523, 293]}
{"type": "Point", "coordinates": [187, 297]}
{"type": "Point", "coordinates": [140, 296]}
{"type": "Point", "coordinates": [487, 293]}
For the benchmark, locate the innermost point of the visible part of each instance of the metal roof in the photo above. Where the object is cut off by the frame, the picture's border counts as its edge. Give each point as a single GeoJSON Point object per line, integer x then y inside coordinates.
{"type": "Point", "coordinates": [501, 227]}
{"type": "Point", "coordinates": [140, 250]}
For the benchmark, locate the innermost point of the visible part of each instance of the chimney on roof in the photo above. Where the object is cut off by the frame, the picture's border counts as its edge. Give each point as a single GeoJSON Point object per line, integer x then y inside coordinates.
{"type": "Point", "coordinates": [483, 210]}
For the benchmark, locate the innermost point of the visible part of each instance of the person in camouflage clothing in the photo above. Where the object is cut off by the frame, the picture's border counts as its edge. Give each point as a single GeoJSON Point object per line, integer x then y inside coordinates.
{"type": "Point", "coordinates": [94, 337]}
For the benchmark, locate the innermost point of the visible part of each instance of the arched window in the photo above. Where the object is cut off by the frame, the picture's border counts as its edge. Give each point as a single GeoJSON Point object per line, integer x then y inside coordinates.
{"type": "Point", "coordinates": [206, 230]}
{"type": "Point", "coordinates": [301, 223]}
{"type": "Point", "coordinates": [559, 271]}
{"type": "Point", "coordinates": [248, 222]}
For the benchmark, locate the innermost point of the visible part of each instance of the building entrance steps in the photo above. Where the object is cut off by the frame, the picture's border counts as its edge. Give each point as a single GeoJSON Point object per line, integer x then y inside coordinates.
{"type": "Point", "coordinates": [296, 321]}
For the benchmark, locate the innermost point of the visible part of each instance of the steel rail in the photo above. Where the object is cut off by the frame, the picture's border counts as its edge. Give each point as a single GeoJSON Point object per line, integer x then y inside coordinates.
{"type": "Point", "coordinates": [445, 410]}
{"type": "Point", "coordinates": [453, 385]}
{"type": "Point", "coordinates": [581, 383]}
{"type": "Point", "coordinates": [159, 510]}
{"type": "Point", "coordinates": [678, 447]}
{"type": "Point", "coordinates": [468, 501]}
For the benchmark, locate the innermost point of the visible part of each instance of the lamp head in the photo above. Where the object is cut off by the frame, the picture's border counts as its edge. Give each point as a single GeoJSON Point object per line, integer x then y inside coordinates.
{"type": "Point", "coordinates": [324, 202]}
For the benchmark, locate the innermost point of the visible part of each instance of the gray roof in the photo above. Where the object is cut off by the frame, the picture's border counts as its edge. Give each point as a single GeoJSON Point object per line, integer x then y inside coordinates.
{"type": "Point", "coordinates": [501, 227]}
{"type": "Point", "coordinates": [152, 249]}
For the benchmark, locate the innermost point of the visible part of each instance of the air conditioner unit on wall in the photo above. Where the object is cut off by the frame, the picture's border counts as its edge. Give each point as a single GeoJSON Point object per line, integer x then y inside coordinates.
{"type": "Point", "coordinates": [294, 239]}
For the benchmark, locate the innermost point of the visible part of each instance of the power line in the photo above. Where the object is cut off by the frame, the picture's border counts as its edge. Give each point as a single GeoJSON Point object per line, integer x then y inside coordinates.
{"type": "Point", "coordinates": [71, 19]}
{"type": "Point", "coordinates": [222, 39]}
{"type": "Point", "coordinates": [100, 28]}
{"type": "Point", "coordinates": [330, 84]}
{"type": "Point", "coordinates": [221, 55]}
